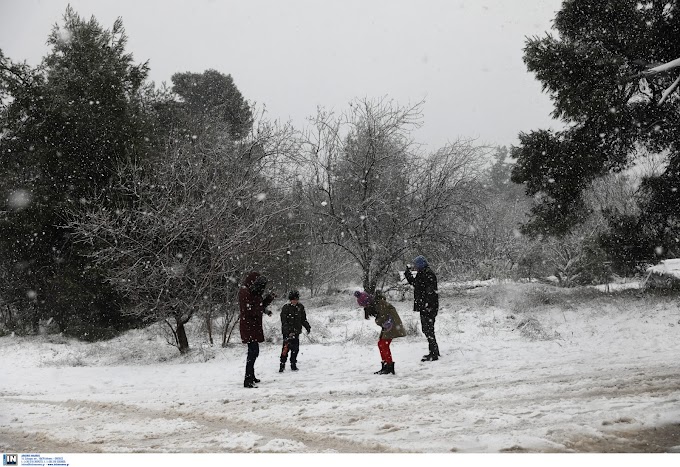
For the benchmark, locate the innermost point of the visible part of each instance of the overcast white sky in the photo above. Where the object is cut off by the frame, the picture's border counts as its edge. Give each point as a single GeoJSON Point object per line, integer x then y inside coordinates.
{"type": "Point", "coordinates": [464, 57]}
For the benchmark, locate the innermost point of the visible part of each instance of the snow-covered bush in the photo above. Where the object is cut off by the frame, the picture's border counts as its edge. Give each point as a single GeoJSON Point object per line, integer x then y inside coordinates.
{"type": "Point", "coordinates": [531, 329]}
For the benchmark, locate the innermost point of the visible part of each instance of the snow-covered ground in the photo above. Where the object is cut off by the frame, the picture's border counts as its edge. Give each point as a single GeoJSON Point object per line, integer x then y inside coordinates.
{"type": "Point", "coordinates": [669, 267]}
{"type": "Point", "coordinates": [524, 368]}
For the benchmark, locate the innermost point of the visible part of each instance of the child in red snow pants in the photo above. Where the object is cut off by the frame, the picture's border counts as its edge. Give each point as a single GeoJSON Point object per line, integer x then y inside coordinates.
{"type": "Point", "coordinates": [384, 347]}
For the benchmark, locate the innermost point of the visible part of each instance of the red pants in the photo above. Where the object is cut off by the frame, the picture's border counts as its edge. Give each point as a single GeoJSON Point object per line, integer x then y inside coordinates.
{"type": "Point", "coordinates": [384, 347]}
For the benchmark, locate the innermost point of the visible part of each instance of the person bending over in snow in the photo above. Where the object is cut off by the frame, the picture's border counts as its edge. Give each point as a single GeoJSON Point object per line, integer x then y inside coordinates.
{"type": "Point", "coordinates": [387, 318]}
{"type": "Point", "coordinates": [293, 319]}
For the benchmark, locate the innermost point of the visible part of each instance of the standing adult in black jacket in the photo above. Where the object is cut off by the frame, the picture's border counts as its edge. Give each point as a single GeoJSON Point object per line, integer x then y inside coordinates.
{"type": "Point", "coordinates": [425, 301]}
{"type": "Point", "coordinates": [252, 306]}
{"type": "Point", "coordinates": [293, 319]}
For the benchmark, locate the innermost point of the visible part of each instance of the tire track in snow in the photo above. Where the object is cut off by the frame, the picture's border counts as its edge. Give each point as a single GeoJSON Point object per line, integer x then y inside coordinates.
{"type": "Point", "coordinates": [206, 424]}
{"type": "Point", "coordinates": [576, 385]}
{"type": "Point", "coordinates": [528, 405]}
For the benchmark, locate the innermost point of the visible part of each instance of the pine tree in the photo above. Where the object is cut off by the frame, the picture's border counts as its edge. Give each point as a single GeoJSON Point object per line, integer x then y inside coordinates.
{"type": "Point", "coordinates": [586, 69]}
{"type": "Point", "coordinates": [210, 97]}
{"type": "Point", "coordinates": [67, 125]}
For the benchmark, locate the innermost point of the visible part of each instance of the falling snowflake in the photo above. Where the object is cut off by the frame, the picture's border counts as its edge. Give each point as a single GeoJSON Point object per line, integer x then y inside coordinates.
{"type": "Point", "coordinates": [19, 199]}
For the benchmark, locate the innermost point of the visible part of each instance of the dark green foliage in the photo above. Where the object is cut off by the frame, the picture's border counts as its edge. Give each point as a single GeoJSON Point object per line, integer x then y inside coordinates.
{"type": "Point", "coordinates": [208, 98]}
{"type": "Point", "coordinates": [66, 126]}
{"type": "Point", "coordinates": [660, 285]}
{"type": "Point", "coordinates": [590, 70]}
{"type": "Point", "coordinates": [629, 241]}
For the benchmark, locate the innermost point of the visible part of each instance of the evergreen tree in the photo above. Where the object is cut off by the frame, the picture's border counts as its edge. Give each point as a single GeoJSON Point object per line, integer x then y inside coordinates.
{"type": "Point", "coordinates": [207, 98]}
{"type": "Point", "coordinates": [586, 69]}
{"type": "Point", "coordinates": [66, 126]}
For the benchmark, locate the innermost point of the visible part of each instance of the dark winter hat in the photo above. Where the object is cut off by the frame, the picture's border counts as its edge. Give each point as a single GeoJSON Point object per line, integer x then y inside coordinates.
{"type": "Point", "coordinates": [258, 285]}
{"type": "Point", "coordinates": [294, 295]}
{"type": "Point", "coordinates": [363, 299]}
{"type": "Point", "coordinates": [419, 263]}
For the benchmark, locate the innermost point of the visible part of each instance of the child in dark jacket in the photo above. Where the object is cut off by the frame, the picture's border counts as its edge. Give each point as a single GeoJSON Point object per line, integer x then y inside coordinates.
{"type": "Point", "coordinates": [293, 319]}
{"type": "Point", "coordinates": [391, 326]}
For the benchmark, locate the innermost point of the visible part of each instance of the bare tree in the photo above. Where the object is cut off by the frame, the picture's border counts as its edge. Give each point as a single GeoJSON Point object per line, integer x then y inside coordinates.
{"type": "Point", "coordinates": [327, 266]}
{"type": "Point", "coordinates": [186, 227]}
{"type": "Point", "coordinates": [372, 195]}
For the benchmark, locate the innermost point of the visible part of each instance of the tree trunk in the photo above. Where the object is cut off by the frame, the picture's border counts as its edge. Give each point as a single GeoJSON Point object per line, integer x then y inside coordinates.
{"type": "Point", "coordinates": [225, 331]}
{"type": "Point", "coordinates": [9, 321]}
{"type": "Point", "coordinates": [369, 285]}
{"type": "Point", "coordinates": [229, 325]}
{"type": "Point", "coordinates": [35, 322]}
{"type": "Point", "coordinates": [208, 323]}
{"type": "Point", "coordinates": [182, 340]}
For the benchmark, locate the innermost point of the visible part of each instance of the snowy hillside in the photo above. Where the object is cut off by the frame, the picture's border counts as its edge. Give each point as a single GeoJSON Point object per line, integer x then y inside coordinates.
{"type": "Point", "coordinates": [524, 368]}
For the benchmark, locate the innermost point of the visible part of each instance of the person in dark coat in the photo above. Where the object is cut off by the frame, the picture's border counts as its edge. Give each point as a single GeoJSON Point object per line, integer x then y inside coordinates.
{"type": "Point", "coordinates": [293, 319]}
{"type": "Point", "coordinates": [251, 306]}
{"type": "Point", "coordinates": [425, 301]}
{"type": "Point", "coordinates": [389, 321]}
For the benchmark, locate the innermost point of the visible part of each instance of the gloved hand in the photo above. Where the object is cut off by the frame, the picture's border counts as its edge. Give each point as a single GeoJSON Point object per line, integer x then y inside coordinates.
{"type": "Point", "coordinates": [309, 329]}
{"type": "Point", "coordinates": [387, 325]}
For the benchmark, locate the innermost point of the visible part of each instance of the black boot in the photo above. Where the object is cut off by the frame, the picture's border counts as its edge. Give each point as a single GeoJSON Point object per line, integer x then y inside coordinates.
{"type": "Point", "coordinates": [255, 380]}
{"type": "Point", "coordinates": [389, 368]}
{"type": "Point", "coordinates": [430, 358]}
{"type": "Point", "coordinates": [382, 369]}
{"type": "Point", "coordinates": [434, 349]}
{"type": "Point", "coordinates": [282, 366]}
{"type": "Point", "coordinates": [249, 383]}
{"type": "Point", "coordinates": [293, 366]}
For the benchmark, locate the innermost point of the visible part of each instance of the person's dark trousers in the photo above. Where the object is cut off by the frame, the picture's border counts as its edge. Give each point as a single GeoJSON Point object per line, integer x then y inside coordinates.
{"type": "Point", "coordinates": [427, 324]}
{"type": "Point", "coordinates": [253, 352]}
{"type": "Point", "coordinates": [293, 344]}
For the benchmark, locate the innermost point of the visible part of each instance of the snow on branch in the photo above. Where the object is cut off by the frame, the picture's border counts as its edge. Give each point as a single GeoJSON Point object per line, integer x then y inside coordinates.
{"type": "Point", "coordinates": [661, 68]}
